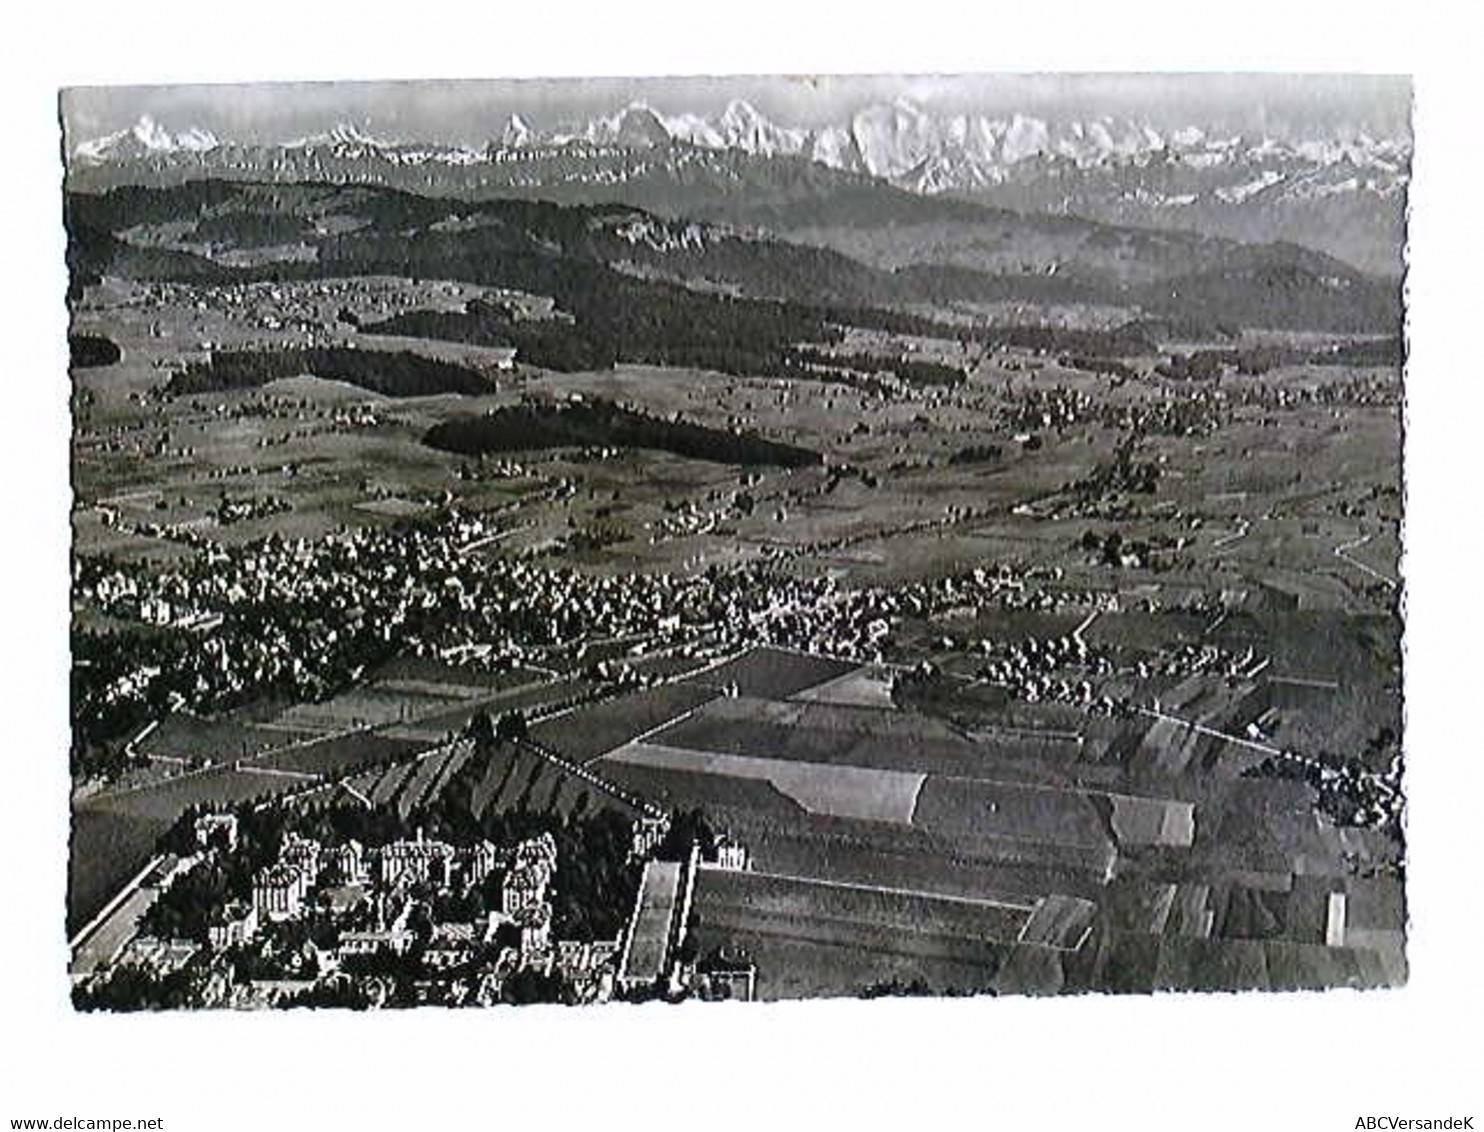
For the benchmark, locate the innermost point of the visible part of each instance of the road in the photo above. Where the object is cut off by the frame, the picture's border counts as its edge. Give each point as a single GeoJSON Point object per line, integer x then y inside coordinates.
{"type": "Point", "coordinates": [105, 935]}
{"type": "Point", "coordinates": [977, 902]}
{"type": "Point", "coordinates": [1342, 552]}
{"type": "Point", "coordinates": [1202, 729]}
{"type": "Point", "coordinates": [1243, 526]}
{"type": "Point", "coordinates": [1082, 628]}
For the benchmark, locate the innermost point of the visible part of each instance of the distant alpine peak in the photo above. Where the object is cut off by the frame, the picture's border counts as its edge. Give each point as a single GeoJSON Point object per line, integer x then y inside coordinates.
{"type": "Point", "coordinates": [517, 132]}
{"type": "Point", "coordinates": [144, 138]}
{"type": "Point", "coordinates": [742, 126]}
{"type": "Point", "coordinates": [341, 134]}
{"type": "Point", "coordinates": [635, 126]}
{"type": "Point", "coordinates": [638, 124]}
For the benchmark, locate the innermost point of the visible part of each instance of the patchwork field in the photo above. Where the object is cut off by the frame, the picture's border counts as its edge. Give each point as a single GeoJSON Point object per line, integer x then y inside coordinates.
{"type": "Point", "coordinates": [835, 798]}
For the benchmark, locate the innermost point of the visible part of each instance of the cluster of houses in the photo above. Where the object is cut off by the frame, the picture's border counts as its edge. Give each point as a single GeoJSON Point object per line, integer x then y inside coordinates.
{"type": "Point", "coordinates": [373, 891]}
{"type": "Point", "coordinates": [288, 310]}
{"type": "Point", "coordinates": [1060, 669]}
{"type": "Point", "coordinates": [369, 584]}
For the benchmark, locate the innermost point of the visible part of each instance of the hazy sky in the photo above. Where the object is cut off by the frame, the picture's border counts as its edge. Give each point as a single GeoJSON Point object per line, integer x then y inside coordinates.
{"type": "Point", "coordinates": [471, 111]}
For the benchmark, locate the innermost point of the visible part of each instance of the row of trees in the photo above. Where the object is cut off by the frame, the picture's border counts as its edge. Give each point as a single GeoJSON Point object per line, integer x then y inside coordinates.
{"type": "Point", "coordinates": [391, 373]}
{"type": "Point", "coordinates": [92, 350]}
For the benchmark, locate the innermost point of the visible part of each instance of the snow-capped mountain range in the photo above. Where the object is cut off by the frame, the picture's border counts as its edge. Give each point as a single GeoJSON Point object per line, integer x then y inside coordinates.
{"type": "Point", "coordinates": [145, 138]}
{"type": "Point", "coordinates": [902, 143]}
{"type": "Point", "coordinates": [1340, 194]}
{"type": "Point", "coordinates": [898, 142]}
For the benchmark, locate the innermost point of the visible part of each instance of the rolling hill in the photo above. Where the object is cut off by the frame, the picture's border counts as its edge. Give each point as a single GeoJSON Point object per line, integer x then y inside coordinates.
{"type": "Point", "coordinates": [969, 254]}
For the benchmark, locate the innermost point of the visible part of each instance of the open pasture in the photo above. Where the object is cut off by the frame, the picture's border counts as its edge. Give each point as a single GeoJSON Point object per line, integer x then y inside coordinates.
{"type": "Point", "coordinates": [842, 791]}
{"type": "Point", "coordinates": [220, 785]}
{"type": "Point", "coordinates": [792, 967]}
{"type": "Point", "coordinates": [1016, 812]}
{"type": "Point", "coordinates": [108, 847]}
{"type": "Point", "coordinates": [530, 698]}
{"type": "Point", "coordinates": [181, 735]}
{"type": "Point", "coordinates": [812, 939]}
{"type": "Point", "coordinates": [333, 755]}
{"type": "Point", "coordinates": [781, 899]}
{"type": "Point", "coordinates": [366, 707]}
{"type": "Point", "coordinates": [1062, 922]}
{"type": "Point", "coordinates": [851, 948]}
{"type": "Point", "coordinates": [771, 673]}
{"type": "Point", "coordinates": [1151, 821]}
{"type": "Point", "coordinates": [782, 895]}
{"type": "Point", "coordinates": [717, 794]}
{"type": "Point", "coordinates": [865, 687]}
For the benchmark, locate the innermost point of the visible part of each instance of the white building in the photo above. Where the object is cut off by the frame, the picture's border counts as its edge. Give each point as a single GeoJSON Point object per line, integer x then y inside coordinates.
{"type": "Point", "coordinates": [481, 860]}
{"type": "Point", "coordinates": [419, 860]}
{"type": "Point", "coordinates": [397, 940]}
{"type": "Point", "coordinates": [217, 829]}
{"type": "Point", "coordinates": [304, 854]}
{"type": "Point", "coordinates": [648, 833]}
{"type": "Point", "coordinates": [732, 855]}
{"type": "Point", "coordinates": [238, 924]}
{"type": "Point", "coordinates": [347, 862]}
{"type": "Point", "coordinates": [278, 892]}
{"type": "Point", "coordinates": [535, 930]}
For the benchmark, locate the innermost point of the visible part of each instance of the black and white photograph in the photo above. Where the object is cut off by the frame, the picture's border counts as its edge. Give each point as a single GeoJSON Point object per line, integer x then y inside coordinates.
{"type": "Point", "coordinates": [765, 566]}
{"type": "Point", "coordinates": [761, 538]}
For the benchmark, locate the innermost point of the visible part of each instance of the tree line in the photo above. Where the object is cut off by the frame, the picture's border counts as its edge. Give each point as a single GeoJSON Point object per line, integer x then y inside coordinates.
{"type": "Point", "coordinates": [602, 424]}
{"type": "Point", "coordinates": [390, 373]}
